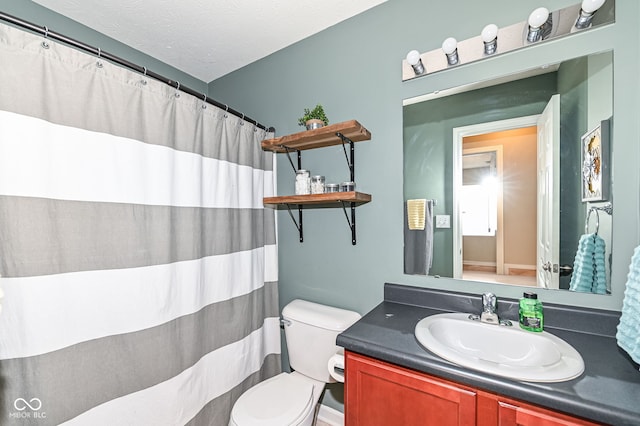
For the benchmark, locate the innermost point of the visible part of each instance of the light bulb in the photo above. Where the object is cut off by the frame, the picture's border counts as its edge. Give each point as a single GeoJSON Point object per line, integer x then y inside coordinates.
{"type": "Point", "coordinates": [450, 49]}
{"type": "Point", "coordinates": [587, 10]}
{"type": "Point", "coordinates": [590, 6]}
{"type": "Point", "coordinates": [538, 27]}
{"type": "Point", "coordinates": [489, 33]}
{"type": "Point", "coordinates": [449, 45]}
{"type": "Point", "coordinates": [538, 17]}
{"type": "Point", "coordinates": [489, 37]}
{"type": "Point", "coordinates": [413, 58]}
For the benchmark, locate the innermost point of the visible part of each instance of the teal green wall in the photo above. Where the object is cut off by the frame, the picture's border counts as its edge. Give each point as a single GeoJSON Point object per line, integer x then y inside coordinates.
{"type": "Point", "coordinates": [354, 70]}
{"type": "Point", "coordinates": [572, 86]}
{"type": "Point", "coordinates": [41, 16]}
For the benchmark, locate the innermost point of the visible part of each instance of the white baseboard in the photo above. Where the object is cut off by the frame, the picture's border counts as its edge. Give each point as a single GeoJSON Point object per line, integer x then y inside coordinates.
{"type": "Point", "coordinates": [478, 263]}
{"type": "Point", "coordinates": [519, 266]}
{"type": "Point", "coordinates": [330, 416]}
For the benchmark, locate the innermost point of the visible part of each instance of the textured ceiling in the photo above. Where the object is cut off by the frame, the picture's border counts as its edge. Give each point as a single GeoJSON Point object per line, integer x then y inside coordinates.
{"type": "Point", "coordinates": [208, 38]}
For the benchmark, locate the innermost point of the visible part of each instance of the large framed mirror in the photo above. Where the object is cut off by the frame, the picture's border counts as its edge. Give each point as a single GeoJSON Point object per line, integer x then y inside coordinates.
{"type": "Point", "coordinates": [501, 168]}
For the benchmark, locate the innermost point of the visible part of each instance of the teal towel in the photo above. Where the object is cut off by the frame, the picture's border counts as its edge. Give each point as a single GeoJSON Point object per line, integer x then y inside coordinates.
{"type": "Point", "coordinates": [628, 334]}
{"type": "Point", "coordinates": [589, 271]}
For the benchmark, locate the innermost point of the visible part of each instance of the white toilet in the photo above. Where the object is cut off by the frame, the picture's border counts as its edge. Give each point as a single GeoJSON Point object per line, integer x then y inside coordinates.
{"type": "Point", "coordinates": [289, 399]}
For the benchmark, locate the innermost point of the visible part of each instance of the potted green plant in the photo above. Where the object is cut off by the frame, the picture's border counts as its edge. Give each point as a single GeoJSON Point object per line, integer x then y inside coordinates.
{"type": "Point", "coordinates": [314, 118]}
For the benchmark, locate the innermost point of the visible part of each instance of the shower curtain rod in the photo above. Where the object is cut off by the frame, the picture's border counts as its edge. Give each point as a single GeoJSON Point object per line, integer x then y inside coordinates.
{"type": "Point", "coordinates": [112, 58]}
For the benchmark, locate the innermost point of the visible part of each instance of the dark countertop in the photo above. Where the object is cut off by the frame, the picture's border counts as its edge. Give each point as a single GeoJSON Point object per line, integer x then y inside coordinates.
{"type": "Point", "coordinates": [607, 392]}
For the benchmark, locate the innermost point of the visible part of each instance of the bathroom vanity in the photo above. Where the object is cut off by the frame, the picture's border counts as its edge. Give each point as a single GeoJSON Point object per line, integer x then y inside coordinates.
{"type": "Point", "coordinates": [392, 380]}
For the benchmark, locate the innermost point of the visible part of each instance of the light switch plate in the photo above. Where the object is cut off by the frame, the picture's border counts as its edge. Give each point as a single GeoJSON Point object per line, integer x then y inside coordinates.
{"type": "Point", "coordinates": [443, 221]}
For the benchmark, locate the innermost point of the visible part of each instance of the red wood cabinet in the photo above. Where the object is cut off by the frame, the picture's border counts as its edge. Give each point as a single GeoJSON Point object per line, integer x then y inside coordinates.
{"type": "Point", "coordinates": [382, 394]}
{"type": "Point", "coordinates": [517, 413]}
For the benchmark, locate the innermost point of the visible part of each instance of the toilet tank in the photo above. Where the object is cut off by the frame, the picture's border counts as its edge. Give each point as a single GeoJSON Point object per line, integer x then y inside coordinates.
{"type": "Point", "coordinates": [311, 330]}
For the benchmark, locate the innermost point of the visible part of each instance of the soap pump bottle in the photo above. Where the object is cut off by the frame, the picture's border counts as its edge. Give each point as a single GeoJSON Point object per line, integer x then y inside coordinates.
{"type": "Point", "coordinates": [531, 314]}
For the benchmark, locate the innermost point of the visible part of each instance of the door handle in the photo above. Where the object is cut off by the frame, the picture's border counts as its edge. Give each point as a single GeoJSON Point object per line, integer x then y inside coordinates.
{"type": "Point", "coordinates": [555, 268]}
{"type": "Point", "coordinates": [564, 270]}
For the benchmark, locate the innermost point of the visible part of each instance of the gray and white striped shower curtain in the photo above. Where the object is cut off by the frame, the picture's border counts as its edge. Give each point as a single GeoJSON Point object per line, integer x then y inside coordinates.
{"type": "Point", "coordinates": [138, 263]}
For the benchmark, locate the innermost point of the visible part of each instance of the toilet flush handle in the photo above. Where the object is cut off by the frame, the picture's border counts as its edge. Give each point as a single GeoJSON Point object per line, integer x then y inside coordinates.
{"type": "Point", "coordinates": [285, 322]}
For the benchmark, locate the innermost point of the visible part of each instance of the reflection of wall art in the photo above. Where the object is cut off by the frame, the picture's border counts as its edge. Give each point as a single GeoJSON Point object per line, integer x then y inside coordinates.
{"type": "Point", "coordinates": [595, 163]}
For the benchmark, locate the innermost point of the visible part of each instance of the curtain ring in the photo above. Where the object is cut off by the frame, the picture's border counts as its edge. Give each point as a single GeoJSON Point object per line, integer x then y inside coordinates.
{"type": "Point", "coordinates": [98, 63]}
{"type": "Point", "coordinates": [204, 105]}
{"type": "Point", "coordinates": [242, 120]}
{"type": "Point", "coordinates": [44, 43]}
{"type": "Point", "coordinates": [177, 89]}
{"type": "Point", "coordinates": [226, 109]}
{"type": "Point", "coordinates": [143, 81]}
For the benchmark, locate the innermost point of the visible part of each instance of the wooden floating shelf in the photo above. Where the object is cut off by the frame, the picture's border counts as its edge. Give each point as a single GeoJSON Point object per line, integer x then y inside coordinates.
{"type": "Point", "coordinates": [320, 199]}
{"type": "Point", "coordinates": [318, 138]}
{"type": "Point", "coordinates": [345, 133]}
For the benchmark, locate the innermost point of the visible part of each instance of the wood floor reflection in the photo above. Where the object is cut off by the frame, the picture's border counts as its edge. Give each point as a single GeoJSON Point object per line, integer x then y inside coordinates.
{"type": "Point", "coordinates": [490, 277]}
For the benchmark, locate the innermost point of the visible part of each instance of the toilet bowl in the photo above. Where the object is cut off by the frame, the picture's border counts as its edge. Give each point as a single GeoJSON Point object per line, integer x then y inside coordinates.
{"type": "Point", "coordinates": [290, 399]}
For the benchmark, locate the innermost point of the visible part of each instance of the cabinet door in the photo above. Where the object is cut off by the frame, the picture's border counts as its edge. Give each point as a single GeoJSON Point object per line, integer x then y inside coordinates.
{"type": "Point", "coordinates": [377, 393]}
{"type": "Point", "coordinates": [528, 415]}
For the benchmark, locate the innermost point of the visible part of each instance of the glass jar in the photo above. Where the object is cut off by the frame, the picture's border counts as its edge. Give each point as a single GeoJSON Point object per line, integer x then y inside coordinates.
{"type": "Point", "coordinates": [332, 187]}
{"type": "Point", "coordinates": [347, 187]}
{"type": "Point", "coordinates": [317, 184]}
{"type": "Point", "coordinates": [303, 182]}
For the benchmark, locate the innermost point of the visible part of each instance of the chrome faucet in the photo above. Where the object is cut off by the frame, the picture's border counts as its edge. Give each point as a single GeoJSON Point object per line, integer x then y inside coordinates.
{"type": "Point", "coordinates": [489, 314]}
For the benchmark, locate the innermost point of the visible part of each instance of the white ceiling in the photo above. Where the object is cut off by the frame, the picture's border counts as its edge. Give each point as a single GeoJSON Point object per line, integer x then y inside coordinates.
{"type": "Point", "coordinates": [208, 38]}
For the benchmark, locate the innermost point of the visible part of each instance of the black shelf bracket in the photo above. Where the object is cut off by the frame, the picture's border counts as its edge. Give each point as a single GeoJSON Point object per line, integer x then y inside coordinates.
{"type": "Point", "coordinates": [352, 221]}
{"type": "Point", "coordinates": [351, 164]}
{"type": "Point", "coordinates": [288, 151]}
{"type": "Point", "coordinates": [297, 223]}
{"type": "Point", "coordinates": [349, 157]}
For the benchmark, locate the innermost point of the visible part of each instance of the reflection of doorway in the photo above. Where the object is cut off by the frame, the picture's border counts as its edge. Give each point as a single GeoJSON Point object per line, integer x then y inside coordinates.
{"type": "Point", "coordinates": [514, 238]}
{"type": "Point", "coordinates": [480, 204]}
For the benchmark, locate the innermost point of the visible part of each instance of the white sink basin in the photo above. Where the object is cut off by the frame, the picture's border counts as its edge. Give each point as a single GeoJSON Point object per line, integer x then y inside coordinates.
{"type": "Point", "coordinates": [506, 351]}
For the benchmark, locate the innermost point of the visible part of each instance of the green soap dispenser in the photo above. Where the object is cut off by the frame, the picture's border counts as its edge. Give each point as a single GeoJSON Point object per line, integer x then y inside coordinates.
{"type": "Point", "coordinates": [531, 314]}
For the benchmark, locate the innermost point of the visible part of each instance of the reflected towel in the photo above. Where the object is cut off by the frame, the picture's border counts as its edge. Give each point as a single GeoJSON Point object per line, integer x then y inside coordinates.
{"type": "Point", "coordinates": [628, 334]}
{"type": "Point", "coordinates": [589, 271]}
{"type": "Point", "coordinates": [418, 244]}
{"type": "Point", "coordinates": [416, 211]}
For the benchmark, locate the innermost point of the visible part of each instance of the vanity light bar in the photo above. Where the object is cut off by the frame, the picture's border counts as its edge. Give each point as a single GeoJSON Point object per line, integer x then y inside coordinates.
{"type": "Point", "coordinates": [494, 41]}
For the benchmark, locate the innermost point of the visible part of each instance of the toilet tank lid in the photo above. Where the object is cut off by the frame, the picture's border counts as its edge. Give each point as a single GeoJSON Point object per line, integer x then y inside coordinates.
{"type": "Point", "coordinates": [318, 315]}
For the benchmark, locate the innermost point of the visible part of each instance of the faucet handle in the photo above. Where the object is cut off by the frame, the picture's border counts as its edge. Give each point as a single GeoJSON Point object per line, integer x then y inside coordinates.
{"type": "Point", "coordinates": [489, 301]}
{"type": "Point", "coordinates": [489, 315]}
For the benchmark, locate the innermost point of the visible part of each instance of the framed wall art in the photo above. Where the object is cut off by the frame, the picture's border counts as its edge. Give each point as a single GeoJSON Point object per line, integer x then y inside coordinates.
{"type": "Point", "coordinates": [596, 162]}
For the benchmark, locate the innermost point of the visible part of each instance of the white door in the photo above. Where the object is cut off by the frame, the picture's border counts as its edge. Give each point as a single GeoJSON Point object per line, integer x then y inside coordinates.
{"type": "Point", "coordinates": [548, 216]}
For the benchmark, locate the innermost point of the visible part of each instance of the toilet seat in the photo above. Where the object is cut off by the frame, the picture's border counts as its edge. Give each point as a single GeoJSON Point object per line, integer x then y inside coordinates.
{"type": "Point", "coordinates": [286, 399]}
